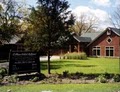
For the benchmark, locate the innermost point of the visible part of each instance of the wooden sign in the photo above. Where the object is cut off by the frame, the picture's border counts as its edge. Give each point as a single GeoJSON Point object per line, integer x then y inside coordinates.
{"type": "Point", "coordinates": [24, 62]}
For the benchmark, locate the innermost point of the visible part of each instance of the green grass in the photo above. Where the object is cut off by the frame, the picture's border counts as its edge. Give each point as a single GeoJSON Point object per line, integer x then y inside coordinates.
{"type": "Point", "coordinates": [63, 88]}
{"type": "Point", "coordinates": [91, 65]}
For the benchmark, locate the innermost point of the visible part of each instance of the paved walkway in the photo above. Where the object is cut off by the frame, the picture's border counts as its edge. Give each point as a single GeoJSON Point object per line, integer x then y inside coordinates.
{"type": "Point", "coordinates": [45, 58]}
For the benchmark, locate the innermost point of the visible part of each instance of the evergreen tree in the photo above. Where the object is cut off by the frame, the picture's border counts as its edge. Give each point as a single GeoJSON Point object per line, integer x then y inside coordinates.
{"type": "Point", "coordinates": [49, 25]}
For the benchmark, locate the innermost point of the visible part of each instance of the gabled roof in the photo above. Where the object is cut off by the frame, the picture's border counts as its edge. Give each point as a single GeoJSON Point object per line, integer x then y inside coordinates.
{"type": "Point", "coordinates": [115, 30]}
{"type": "Point", "coordinates": [91, 37]}
{"type": "Point", "coordinates": [82, 39]}
{"type": "Point", "coordinates": [87, 37]}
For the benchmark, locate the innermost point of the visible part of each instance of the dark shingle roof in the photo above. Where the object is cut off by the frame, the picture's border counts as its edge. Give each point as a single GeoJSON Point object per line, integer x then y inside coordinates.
{"type": "Point", "coordinates": [90, 37]}
{"type": "Point", "coordinates": [82, 39]}
{"type": "Point", "coordinates": [115, 30]}
{"type": "Point", "coordinates": [87, 37]}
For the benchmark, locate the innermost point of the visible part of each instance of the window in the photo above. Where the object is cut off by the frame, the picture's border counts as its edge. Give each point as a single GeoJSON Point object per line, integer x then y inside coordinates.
{"type": "Point", "coordinates": [109, 40]}
{"type": "Point", "coordinates": [109, 51]}
{"type": "Point", "coordinates": [96, 51]}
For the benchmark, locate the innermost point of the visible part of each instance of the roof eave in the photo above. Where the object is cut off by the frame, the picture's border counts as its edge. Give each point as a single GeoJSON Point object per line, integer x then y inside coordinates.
{"type": "Point", "coordinates": [77, 39]}
{"type": "Point", "coordinates": [116, 33]}
{"type": "Point", "coordinates": [102, 34]}
{"type": "Point", "coordinates": [96, 38]}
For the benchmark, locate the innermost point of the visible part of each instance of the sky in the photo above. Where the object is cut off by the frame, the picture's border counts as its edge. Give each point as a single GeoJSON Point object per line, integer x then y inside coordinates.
{"type": "Point", "coordinates": [102, 10]}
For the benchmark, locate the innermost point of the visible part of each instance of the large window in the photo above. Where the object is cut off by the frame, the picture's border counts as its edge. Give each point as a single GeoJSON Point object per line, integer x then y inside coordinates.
{"type": "Point", "coordinates": [109, 51]}
{"type": "Point", "coordinates": [96, 51]}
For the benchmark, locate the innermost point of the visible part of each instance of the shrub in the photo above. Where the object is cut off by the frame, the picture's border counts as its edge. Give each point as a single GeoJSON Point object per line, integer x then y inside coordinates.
{"type": "Point", "coordinates": [79, 74]}
{"type": "Point", "coordinates": [3, 71]}
{"type": "Point", "coordinates": [76, 75]}
{"type": "Point", "coordinates": [116, 78]}
{"type": "Point", "coordinates": [65, 73]}
{"type": "Point", "coordinates": [1, 79]}
{"type": "Point", "coordinates": [108, 75]}
{"type": "Point", "coordinates": [75, 55]}
{"type": "Point", "coordinates": [13, 79]}
{"type": "Point", "coordinates": [35, 79]}
{"type": "Point", "coordinates": [101, 79]}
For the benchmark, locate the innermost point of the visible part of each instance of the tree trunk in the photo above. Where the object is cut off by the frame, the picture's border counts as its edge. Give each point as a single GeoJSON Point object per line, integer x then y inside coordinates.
{"type": "Point", "coordinates": [48, 62]}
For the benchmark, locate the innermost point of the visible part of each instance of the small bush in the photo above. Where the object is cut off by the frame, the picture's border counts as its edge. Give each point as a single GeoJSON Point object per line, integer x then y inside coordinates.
{"type": "Point", "coordinates": [65, 73]}
{"type": "Point", "coordinates": [75, 55]}
{"type": "Point", "coordinates": [76, 75]}
{"type": "Point", "coordinates": [79, 74]}
{"type": "Point", "coordinates": [3, 71]}
{"type": "Point", "coordinates": [35, 79]}
{"type": "Point", "coordinates": [13, 79]}
{"type": "Point", "coordinates": [1, 79]}
{"type": "Point", "coordinates": [101, 79]}
{"type": "Point", "coordinates": [116, 78]}
{"type": "Point", "coordinates": [108, 75]}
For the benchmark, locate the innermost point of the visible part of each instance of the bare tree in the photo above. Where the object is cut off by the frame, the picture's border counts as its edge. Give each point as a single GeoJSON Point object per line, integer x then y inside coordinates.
{"type": "Point", "coordinates": [115, 19]}
{"type": "Point", "coordinates": [116, 22]}
{"type": "Point", "coordinates": [85, 24]}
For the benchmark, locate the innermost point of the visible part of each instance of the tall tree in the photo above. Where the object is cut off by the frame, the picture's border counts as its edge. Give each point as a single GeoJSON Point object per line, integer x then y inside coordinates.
{"type": "Point", "coordinates": [10, 19]}
{"type": "Point", "coordinates": [84, 24]}
{"type": "Point", "coordinates": [49, 23]}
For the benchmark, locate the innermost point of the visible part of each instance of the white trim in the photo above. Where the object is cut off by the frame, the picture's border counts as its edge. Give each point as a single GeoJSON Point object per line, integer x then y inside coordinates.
{"type": "Point", "coordinates": [108, 39]}
{"type": "Point", "coordinates": [102, 34]}
{"type": "Point", "coordinates": [96, 50]}
{"type": "Point", "coordinates": [109, 50]}
{"type": "Point", "coordinates": [76, 38]}
{"type": "Point", "coordinates": [109, 32]}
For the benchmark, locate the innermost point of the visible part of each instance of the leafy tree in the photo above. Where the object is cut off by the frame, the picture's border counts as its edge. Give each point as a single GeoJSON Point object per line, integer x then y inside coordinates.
{"type": "Point", "coordinates": [49, 24]}
{"type": "Point", "coordinates": [10, 19]}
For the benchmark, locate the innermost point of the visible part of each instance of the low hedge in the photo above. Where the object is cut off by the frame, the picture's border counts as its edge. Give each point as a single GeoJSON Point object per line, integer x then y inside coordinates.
{"type": "Point", "coordinates": [75, 55]}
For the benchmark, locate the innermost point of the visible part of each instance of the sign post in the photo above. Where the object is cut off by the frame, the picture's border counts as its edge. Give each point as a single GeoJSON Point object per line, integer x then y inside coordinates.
{"type": "Point", "coordinates": [24, 62]}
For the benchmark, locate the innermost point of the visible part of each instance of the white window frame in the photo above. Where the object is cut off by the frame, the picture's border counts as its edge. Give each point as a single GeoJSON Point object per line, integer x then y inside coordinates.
{"type": "Point", "coordinates": [109, 51]}
{"type": "Point", "coordinates": [96, 48]}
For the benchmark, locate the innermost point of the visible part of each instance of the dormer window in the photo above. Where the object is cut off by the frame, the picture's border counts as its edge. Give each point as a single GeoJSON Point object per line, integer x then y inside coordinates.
{"type": "Point", "coordinates": [108, 32]}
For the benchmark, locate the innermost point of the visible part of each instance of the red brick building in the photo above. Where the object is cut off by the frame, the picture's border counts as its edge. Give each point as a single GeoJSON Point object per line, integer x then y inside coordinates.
{"type": "Point", "coordinates": [101, 44]}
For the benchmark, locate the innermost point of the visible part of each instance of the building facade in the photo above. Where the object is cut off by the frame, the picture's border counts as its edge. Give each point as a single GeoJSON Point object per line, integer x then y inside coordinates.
{"type": "Point", "coordinates": [99, 44]}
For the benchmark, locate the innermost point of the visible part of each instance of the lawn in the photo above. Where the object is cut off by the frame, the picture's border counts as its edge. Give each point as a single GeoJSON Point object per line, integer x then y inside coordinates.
{"type": "Point", "coordinates": [91, 65]}
{"type": "Point", "coordinates": [62, 88]}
